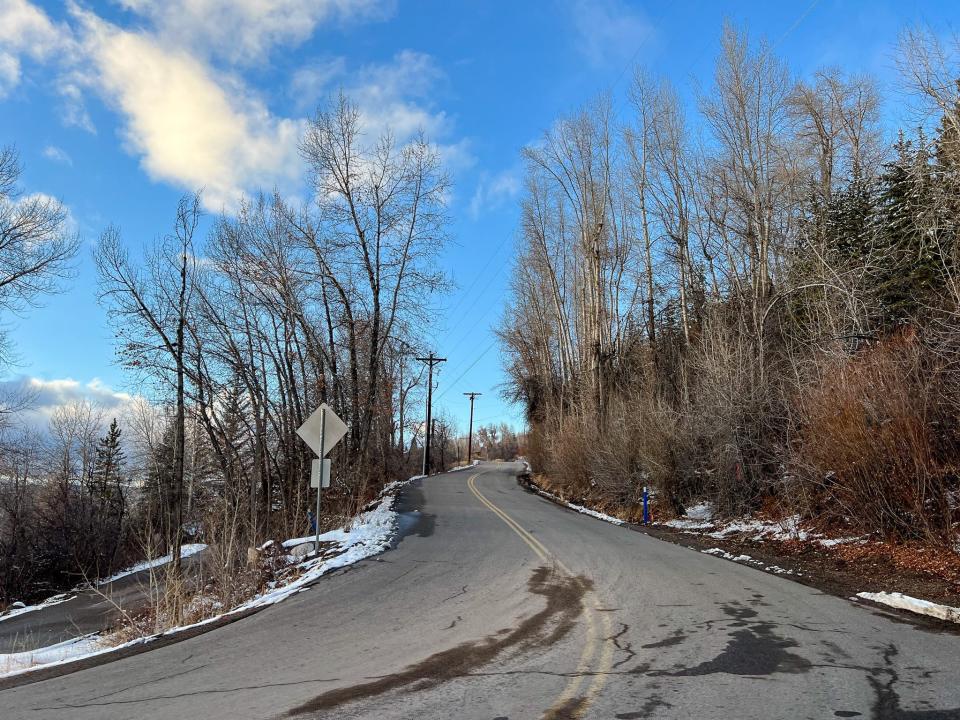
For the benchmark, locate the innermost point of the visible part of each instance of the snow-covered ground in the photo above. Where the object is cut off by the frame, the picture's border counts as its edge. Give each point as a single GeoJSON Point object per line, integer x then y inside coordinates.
{"type": "Point", "coordinates": [701, 519]}
{"type": "Point", "coordinates": [15, 663]}
{"type": "Point", "coordinates": [185, 552]}
{"type": "Point", "coordinates": [915, 605]}
{"type": "Point", "coordinates": [698, 517]}
{"type": "Point", "coordinates": [367, 534]}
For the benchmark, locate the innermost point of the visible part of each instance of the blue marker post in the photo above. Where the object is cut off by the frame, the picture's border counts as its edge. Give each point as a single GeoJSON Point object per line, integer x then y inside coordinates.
{"type": "Point", "coordinates": [646, 506]}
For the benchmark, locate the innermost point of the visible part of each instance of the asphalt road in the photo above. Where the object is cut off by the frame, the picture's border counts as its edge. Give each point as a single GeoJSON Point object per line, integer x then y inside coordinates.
{"type": "Point", "coordinates": [498, 604]}
{"type": "Point", "coordinates": [86, 611]}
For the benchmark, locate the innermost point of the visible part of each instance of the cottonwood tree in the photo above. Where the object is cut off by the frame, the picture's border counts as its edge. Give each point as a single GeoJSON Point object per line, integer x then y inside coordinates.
{"type": "Point", "coordinates": [376, 225]}
{"type": "Point", "coordinates": [150, 305]}
{"type": "Point", "coordinates": [782, 250]}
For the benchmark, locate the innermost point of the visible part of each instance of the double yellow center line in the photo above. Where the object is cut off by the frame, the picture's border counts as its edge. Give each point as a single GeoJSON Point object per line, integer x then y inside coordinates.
{"type": "Point", "coordinates": [568, 702]}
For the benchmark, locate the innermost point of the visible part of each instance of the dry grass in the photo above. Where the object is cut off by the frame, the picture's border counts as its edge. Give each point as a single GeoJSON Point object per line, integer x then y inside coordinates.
{"type": "Point", "coordinates": [876, 444]}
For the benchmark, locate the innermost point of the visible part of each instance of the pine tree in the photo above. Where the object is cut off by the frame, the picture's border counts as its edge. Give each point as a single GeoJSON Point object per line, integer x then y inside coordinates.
{"type": "Point", "coordinates": [109, 502]}
{"type": "Point", "coordinates": [907, 273]}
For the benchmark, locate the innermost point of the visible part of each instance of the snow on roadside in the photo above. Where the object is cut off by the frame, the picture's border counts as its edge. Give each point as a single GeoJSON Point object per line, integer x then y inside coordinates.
{"type": "Point", "coordinates": [748, 560]}
{"type": "Point", "coordinates": [578, 508]}
{"type": "Point", "coordinates": [698, 517]}
{"type": "Point", "coordinates": [700, 520]}
{"type": "Point", "coordinates": [185, 552]}
{"type": "Point", "coordinates": [785, 529]}
{"type": "Point", "coordinates": [368, 534]}
{"type": "Point", "coordinates": [915, 605]}
{"type": "Point", "coordinates": [54, 600]}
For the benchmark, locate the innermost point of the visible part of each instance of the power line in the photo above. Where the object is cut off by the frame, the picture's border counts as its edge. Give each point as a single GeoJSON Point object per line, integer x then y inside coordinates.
{"type": "Point", "coordinates": [468, 369]}
{"type": "Point", "coordinates": [470, 331]}
{"type": "Point", "coordinates": [796, 23]}
{"type": "Point", "coordinates": [477, 277]}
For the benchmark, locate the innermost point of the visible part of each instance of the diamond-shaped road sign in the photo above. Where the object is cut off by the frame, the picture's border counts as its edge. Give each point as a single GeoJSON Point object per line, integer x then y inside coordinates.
{"type": "Point", "coordinates": [333, 429]}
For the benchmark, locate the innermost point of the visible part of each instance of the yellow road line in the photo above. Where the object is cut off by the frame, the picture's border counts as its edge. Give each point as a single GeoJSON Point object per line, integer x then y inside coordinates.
{"type": "Point", "coordinates": [586, 656]}
{"type": "Point", "coordinates": [606, 655]}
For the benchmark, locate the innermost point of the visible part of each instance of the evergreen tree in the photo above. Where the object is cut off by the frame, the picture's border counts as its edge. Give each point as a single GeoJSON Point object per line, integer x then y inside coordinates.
{"type": "Point", "coordinates": [902, 259]}
{"type": "Point", "coordinates": [109, 501]}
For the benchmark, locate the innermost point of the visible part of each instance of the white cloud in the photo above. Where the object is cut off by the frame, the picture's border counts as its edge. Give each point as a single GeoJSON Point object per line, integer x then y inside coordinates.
{"type": "Point", "coordinates": [48, 395]}
{"type": "Point", "coordinates": [609, 31]}
{"type": "Point", "coordinates": [191, 126]}
{"type": "Point", "coordinates": [173, 73]}
{"type": "Point", "coordinates": [244, 31]}
{"type": "Point", "coordinates": [9, 73]}
{"type": "Point", "coordinates": [70, 225]}
{"type": "Point", "coordinates": [58, 155]}
{"type": "Point", "coordinates": [494, 190]}
{"type": "Point", "coordinates": [394, 96]}
{"type": "Point", "coordinates": [391, 96]}
{"type": "Point", "coordinates": [25, 31]}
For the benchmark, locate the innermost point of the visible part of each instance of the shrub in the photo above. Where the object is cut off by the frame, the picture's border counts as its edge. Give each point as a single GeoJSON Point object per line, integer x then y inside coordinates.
{"type": "Point", "coordinates": [876, 442]}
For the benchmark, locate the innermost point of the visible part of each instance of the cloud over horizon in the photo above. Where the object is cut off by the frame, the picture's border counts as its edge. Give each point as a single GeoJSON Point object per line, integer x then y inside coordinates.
{"type": "Point", "coordinates": [48, 395]}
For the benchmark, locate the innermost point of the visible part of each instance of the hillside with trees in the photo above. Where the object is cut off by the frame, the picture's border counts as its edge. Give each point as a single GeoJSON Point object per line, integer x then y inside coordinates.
{"type": "Point", "coordinates": [754, 302]}
{"type": "Point", "coordinates": [235, 336]}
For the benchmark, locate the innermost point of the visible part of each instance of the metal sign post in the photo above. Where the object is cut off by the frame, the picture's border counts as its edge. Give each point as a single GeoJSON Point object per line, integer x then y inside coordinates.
{"type": "Point", "coordinates": [321, 431]}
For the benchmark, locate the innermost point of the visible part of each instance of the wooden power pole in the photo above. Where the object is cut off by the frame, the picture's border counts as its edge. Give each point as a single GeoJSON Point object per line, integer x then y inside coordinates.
{"type": "Point", "coordinates": [471, 395]}
{"type": "Point", "coordinates": [430, 361]}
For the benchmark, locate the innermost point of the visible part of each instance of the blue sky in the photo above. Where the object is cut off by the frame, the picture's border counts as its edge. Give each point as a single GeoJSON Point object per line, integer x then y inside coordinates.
{"type": "Point", "coordinates": [118, 107]}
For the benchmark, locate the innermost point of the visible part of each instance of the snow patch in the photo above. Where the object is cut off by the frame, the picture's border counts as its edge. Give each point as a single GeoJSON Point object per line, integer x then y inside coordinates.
{"type": "Point", "coordinates": [702, 516]}
{"type": "Point", "coordinates": [185, 552]}
{"type": "Point", "coordinates": [748, 560]}
{"type": "Point", "coordinates": [579, 508]}
{"type": "Point", "coordinates": [785, 529]}
{"type": "Point", "coordinates": [916, 605]}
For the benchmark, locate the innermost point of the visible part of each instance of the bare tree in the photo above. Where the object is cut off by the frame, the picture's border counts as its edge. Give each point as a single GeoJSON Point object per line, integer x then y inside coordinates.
{"type": "Point", "coordinates": [379, 222]}
{"type": "Point", "coordinates": [36, 245]}
{"type": "Point", "coordinates": [151, 307]}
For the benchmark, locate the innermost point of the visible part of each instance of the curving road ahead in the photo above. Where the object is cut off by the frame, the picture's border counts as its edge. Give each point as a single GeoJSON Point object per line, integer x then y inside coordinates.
{"type": "Point", "coordinates": [498, 604]}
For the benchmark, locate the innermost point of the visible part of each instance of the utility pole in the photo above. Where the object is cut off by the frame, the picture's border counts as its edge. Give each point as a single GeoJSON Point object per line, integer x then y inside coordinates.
{"type": "Point", "coordinates": [471, 395]}
{"type": "Point", "coordinates": [430, 361]}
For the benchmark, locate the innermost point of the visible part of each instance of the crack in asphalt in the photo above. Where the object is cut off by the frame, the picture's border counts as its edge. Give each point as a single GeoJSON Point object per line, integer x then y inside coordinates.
{"type": "Point", "coordinates": [151, 682]}
{"type": "Point", "coordinates": [625, 648]}
{"type": "Point", "coordinates": [886, 705]}
{"type": "Point", "coordinates": [453, 623]}
{"type": "Point", "coordinates": [463, 591]}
